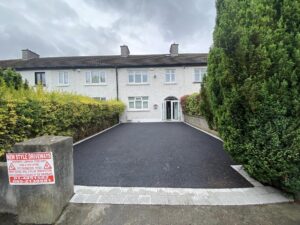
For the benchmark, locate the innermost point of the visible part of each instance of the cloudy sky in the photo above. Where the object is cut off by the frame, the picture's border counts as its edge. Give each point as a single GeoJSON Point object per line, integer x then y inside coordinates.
{"type": "Point", "coordinates": [99, 27]}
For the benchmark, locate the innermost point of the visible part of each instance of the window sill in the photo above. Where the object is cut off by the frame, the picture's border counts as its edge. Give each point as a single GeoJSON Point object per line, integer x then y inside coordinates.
{"type": "Point", "coordinates": [103, 84]}
{"type": "Point", "coordinates": [138, 110]}
{"type": "Point", "coordinates": [63, 85]}
{"type": "Point", "coordinates": [170, 83]}
{"type": "Point", "coordinates": [197, 82]}
{"type": "Point", "coordinates": [137, 84]}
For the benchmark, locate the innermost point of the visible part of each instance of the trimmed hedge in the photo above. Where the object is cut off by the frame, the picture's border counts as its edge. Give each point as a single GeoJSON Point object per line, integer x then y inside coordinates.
{"type": "Point", "coordinates": [253, 87]}
{"type": "Point", "coordinates": [191, 104]}
{"type": "Point", "coordinates": [30, 113]}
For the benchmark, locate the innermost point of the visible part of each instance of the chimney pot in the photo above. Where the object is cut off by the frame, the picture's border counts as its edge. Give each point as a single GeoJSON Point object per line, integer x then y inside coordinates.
{"type": "Point", "coordinates": [174, 49]}
{"type": "Point", "coordinates": [124, 51]}
{"type": "Point", "coordinates": [28, 54]}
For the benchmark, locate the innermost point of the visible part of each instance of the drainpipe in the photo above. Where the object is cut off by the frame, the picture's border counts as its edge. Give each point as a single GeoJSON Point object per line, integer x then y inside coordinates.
{"type": "Point", "coordinates": [117, 82]}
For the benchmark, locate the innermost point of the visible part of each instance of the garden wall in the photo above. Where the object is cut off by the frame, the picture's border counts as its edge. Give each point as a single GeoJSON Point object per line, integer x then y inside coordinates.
{"type": "Point", "coordinates": [199, 122]}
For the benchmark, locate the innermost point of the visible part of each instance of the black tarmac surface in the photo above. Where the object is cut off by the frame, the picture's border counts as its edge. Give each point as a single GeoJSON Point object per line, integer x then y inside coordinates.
{"type": "Point", "coordinates": [155, 155]}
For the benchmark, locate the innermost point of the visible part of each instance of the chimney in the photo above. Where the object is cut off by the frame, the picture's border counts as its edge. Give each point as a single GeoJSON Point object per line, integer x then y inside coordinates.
{"type": "Point", "coordinates": [124, 51]}
{"type": "Point", "coordinates": [174, 49]}
{"type": "Point", "coordinates": [28, 54]}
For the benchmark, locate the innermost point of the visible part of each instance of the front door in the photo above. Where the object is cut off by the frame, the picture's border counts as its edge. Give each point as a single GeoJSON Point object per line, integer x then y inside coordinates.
{"type": "Point", "coordinates": [171, 110]}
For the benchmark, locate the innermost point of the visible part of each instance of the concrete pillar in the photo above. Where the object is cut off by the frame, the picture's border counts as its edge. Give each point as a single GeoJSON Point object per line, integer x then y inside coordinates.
{"type": "Point", "coordinates": [8, 202]}
{"type": "Point", "coordinates": [42, 204]}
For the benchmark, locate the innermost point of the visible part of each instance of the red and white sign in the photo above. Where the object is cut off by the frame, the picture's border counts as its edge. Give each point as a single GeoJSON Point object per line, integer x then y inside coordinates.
{"type": "Point", "coordinates": [31, 168]}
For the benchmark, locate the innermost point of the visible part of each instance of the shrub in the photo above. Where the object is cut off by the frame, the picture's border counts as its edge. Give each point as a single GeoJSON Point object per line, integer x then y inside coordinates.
{"type": "Point", "coordinates": [191, 104]}
{"type": "Point", "coordinates": [183, 100]}
{"type": "Point", "coordinates": [253, 86]}
{"type": "Point", "coordinates": [30, 113]}
{"type": "Point", "coordinates": [12, 79]}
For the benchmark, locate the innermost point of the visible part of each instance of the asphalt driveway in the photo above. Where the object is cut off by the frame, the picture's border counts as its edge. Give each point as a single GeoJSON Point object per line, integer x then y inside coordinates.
{"type": "Point", "coordinates": [155, 155]}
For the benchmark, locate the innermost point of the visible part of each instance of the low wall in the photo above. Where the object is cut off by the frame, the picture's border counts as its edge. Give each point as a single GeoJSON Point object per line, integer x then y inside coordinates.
{"type": "Point", "coordinates": [8, 202]}
{"type": "Point", "coordinates": [200, 123]}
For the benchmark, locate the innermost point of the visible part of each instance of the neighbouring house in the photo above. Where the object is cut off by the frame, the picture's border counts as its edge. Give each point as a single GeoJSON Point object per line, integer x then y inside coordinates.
{"type": "Point", "coordinates": [150, 85]}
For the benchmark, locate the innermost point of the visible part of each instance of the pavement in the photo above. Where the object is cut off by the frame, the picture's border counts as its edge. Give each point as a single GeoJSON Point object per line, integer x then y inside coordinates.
{"type": "Point", "coordinates": [97, 214]}
{"type": "Point", "coordinates": [169, 155]}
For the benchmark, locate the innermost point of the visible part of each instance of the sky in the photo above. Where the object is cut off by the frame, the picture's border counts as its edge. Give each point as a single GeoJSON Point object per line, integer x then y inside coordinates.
{"type": "Point", "coordinates": [98, 27]}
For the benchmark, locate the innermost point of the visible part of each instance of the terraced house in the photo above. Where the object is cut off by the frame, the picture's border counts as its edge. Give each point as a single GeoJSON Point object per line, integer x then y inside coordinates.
{"type": "Point", "coordinates": [150, 85]}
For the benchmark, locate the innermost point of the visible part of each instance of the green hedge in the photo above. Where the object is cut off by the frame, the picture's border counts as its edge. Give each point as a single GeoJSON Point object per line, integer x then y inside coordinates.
{"type": "Point", "coordinates": [253, 87]}
{"type": "Point", "coordinates": [30, 113]}
{"type": "Point", "coordinates": [191, 104]}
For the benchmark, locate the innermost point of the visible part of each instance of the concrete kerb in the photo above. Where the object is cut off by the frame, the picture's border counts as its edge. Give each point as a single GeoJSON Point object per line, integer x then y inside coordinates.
{"type": "Point", "coordinates": [259, 194]}
{"type": "Point", "coordinates": [94, 135]}
{"type": "Point", "coordinates": [203, 131]}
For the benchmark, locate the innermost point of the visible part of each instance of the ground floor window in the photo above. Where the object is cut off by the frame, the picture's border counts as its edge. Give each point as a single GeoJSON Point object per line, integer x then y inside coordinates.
{"type": "Point", "coordinates": [141, 102]}
{"type": "Point", "coordinates": [100, 98]}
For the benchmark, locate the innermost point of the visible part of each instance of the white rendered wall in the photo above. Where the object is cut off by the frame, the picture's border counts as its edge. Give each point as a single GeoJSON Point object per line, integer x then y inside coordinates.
{"type": "Point", "coordinates": [157, 90]}
{"type": "Point", "coordinates": [77, 82]}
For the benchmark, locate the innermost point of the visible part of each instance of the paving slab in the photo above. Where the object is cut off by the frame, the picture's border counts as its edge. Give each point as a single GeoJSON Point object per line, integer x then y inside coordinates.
{"type": "Point", "coordinates": [95, 214]}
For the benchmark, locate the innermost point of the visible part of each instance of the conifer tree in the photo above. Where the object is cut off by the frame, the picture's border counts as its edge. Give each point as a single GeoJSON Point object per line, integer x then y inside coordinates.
{"type": "Point", "coordinates": [253, 87]}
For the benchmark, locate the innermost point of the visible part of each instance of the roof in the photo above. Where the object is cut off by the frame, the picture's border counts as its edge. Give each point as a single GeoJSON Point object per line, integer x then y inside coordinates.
{"type": "Point", "coordinates": [159, 60]}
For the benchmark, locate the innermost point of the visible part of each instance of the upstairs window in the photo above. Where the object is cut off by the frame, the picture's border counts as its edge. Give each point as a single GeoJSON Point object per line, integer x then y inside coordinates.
{"type": "Point", "coordinates": [138, 103]}
{"type": "Point", "coordinates": [199, 74]}
{"type": "Point", "coordinates": [63, 78]}
{"type": "Point", "coordinates": [95, 77]}
{"type": "Point", "coordinates": [170, 76]}
{"type": "Point", "coordinates": [137, 77]}
{"type": "Point", "coordinates": [40, 78]}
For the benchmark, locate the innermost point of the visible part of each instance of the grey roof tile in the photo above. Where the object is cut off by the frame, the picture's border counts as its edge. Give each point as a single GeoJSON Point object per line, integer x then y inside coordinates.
{"type": "Point", "coordinates": [109, 61]}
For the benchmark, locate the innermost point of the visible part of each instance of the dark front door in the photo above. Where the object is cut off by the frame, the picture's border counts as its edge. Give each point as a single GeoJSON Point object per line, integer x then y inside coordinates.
{"type": "Point", "coordinates": [168, 110]}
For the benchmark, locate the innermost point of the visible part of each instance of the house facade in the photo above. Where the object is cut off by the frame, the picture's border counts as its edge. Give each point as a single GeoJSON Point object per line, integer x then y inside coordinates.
{"type": "Point", "coordinates": [149, 85]}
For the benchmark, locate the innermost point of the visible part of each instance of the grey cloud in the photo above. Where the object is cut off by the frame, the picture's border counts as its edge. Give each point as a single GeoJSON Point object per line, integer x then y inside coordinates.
{"type": "Point", "coordinates": [55, 28]}
{"type": "Point", "coordinates": [176, 19]}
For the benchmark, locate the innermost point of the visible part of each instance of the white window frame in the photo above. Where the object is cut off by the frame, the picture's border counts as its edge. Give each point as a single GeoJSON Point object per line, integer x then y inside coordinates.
{"type": "Point", "coordinates": [133, 74]}
{"type": "Point", "coordinates": [63, 78]}
{"type": "Point", "coordinates": [90, 75]}
{"type": "Point", "coordinates": [170, 76]}
{"type": "Point", "coordinates": [201, 72]}
{"type": "Point", "coordinates": [100, 98]}
{"type": "Point", "coordinates": [132, 100]}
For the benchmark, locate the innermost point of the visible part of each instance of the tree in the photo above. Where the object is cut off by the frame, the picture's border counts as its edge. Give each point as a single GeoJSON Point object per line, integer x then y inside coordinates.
{"type": "Point", "coordinates": [253, 87]}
